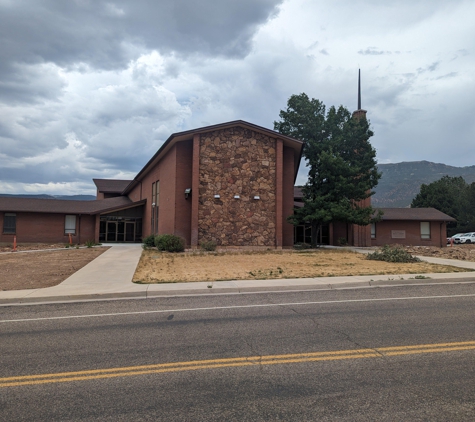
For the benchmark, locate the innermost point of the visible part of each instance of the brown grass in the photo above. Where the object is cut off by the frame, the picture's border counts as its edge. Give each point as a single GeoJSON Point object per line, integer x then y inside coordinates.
{"type": "Point", "coordinates": [38, 269]}
{"type": "Point", "coordinates": [162, 267]}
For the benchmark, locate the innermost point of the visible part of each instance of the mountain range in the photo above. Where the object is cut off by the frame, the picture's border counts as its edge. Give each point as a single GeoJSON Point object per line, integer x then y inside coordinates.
{"type": "Point", "coordinates": [401, 182]}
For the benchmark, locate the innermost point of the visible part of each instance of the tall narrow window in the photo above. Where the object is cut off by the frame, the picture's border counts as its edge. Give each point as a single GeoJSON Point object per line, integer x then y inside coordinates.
{"type": "Point", "coordinates": [373, 230]}
{"type": "Point", "coordinates": [155, 202]}
{"type": "Point", "coordinates": [70, 224]}
{"type": "Point", "coordinates": [425, 230]}
{"type": "Point", "coordinates": [9, 223]}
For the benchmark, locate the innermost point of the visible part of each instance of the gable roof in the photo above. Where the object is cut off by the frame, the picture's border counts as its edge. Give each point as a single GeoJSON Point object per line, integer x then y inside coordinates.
{"type": "Point", "coordinates": [415, 214]}
{"type": "Point", "coordinates": [111, 185]}
{"type": "Point", "coordinates": [59, 206]}
{"type": "Point", "coordinates": [188, 135]}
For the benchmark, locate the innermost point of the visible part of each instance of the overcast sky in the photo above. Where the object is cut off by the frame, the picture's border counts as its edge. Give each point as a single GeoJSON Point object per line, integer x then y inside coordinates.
{"type": "Point", "coordinates": [92, 88]}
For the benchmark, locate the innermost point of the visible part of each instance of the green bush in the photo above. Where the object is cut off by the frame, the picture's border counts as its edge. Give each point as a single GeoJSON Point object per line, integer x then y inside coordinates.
{"type": "Point", "coordinates": [90, 243]}
{"type": "Point", "coordinates": [208, 245]}
{"type": "Point", "coordinates": [149, 241]}
{"type": "Point", "coordinates": [169, 243]}
{"type": "Point", "coordinates": [392, 254]}
{"type": "Point", "coordinates": [300, 246]}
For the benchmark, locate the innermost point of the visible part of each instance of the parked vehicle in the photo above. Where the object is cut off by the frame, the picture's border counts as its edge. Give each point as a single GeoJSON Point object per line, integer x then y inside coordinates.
{"type": "Point", "coordinates": [466, 238]}
{"type": "Point", "coordinates": [454, 237]}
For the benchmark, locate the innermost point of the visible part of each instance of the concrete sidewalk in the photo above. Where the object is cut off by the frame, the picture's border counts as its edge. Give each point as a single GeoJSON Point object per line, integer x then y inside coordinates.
{"type": "Point", "coordinates": [109, 276]}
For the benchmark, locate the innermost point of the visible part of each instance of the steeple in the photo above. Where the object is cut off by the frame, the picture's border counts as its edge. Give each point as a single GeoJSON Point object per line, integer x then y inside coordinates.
{"type": "Point", "coordinates": [359, 89]}
{"type": "Point", "coordinates": [359, 112]}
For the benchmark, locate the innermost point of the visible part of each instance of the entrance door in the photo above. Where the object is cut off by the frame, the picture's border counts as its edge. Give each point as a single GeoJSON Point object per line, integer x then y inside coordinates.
{"type": "Point", "coordinates": [111, 231]}
{"type": "Point", "coordinates": [130, 231]}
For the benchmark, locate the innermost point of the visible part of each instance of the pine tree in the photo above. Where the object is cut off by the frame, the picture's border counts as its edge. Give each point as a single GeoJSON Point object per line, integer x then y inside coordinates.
{"type": "Point", "coordinates": [341, 161]}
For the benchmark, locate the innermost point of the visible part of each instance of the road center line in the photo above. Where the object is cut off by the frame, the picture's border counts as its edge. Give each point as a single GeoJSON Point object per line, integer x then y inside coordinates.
{"type": "Point", "coordinates": [216, 308]}
{"type": "Point", "coordinates": [234, 362]}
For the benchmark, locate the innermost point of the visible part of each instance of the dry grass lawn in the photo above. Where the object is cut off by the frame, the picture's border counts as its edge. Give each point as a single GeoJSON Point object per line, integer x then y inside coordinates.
{"type": "Point", "coordinates": [163, 267]}
{"type": "Point", "coordinates": [38, 269]}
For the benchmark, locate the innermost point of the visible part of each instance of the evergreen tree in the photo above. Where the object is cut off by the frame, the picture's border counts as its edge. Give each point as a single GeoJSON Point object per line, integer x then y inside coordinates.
{"type": "Point", "coordinates": [341, 161]}
{"type": "Point", "coordinates": [452, 196]}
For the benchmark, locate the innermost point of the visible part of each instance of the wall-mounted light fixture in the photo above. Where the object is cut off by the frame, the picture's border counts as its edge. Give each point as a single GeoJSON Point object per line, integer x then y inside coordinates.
{"type": "Point", "coordinates": [153, 204]}
{"type": "Point", "coordinates": [257, 197]}
{"type": "Point", "coordinates": [217, 196]}
{"type": "Point", "coordinates": [187, 193]}
{"type": "Point", "coordinates": [236, 197]}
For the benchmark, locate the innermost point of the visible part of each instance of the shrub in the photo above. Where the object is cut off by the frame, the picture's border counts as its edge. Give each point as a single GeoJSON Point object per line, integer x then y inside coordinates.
{"type": "Point", "coordinates": [392, 254]}
{"type": "Point", "coordinates": [149, 241]}
{"type": "Point", "coordinates": [169, 243]}
{"type": "Point", "coordinates": [300, 246]}
{"type": "Point", "coordinates": [208, 245]}
{"type": "Point", "coordinates": [342, 241]}
{"type": "Point", "coordinates": [90, 243]}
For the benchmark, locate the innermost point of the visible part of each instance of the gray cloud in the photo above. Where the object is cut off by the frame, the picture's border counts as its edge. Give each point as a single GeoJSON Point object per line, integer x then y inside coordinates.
{"type": "Point", "coordinates": [93, 88]}
{"type": "Point", "coordinates": [371, 51]}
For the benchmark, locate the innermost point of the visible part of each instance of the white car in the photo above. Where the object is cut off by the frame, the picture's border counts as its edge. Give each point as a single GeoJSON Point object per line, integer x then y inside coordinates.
{"type": "Point", "coordinates": [454, 237]}
{"type": "Point", "coordinates": [466, 238]}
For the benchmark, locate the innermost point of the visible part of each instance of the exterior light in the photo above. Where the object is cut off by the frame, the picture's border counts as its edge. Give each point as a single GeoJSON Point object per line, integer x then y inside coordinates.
{"type": "Point", "coordinates": [153, 204]}
{"type": "Point", "coordinates": [236, 196]}
{"type": "Point", "coordinates": [187, 193]}
{"type": "Point", "coordinates": [257, 197]}
{"type": "Point", "coordinates": [217, 196]}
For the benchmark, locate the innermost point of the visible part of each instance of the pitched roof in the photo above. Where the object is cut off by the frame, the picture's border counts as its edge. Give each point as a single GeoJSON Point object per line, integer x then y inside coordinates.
{"type": "Point", "coordinates": [419, 214]}
{"type": "Point", "coordinates": [298, 193]}
{"type": "Point", "coordinates": [111, 185]}
{"type": "Point", "coordinates": [59, 206]}
{"type": "Point", "coordinates": [188, 134]}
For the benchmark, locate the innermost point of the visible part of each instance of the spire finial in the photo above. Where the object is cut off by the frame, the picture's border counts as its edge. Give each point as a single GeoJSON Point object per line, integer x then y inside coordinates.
{"type": "Point", "coordinates": [359, 89]}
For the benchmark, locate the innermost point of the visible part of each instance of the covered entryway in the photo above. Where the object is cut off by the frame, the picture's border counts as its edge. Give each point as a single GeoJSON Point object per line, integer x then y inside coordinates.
{"type": "Point", "coordinates": [121, 226]}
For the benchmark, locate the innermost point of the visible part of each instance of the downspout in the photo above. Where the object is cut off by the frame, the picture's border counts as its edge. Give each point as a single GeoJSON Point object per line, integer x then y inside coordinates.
{"type": "Point", "coordinates": [440, 235]}
{"type": "Point", "coordinates": [79, 230]}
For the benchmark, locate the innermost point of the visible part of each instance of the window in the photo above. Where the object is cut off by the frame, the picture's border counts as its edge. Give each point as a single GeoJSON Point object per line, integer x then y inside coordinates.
{"type": "Point", "coordinates": [425, 230]}
{"type": "Point", "coordinates": [155, 203]}
{"type": "Point", "coordinates": [70, 224]}
{"type": "Point", "coordinates": [9, 223]}
{"type": "Point", "coordinates": [373, 230]}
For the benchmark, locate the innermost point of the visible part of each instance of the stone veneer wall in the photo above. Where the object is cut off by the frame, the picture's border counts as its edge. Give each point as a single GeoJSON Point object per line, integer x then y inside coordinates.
{"type": "Point", "coordinates": [240, 162]}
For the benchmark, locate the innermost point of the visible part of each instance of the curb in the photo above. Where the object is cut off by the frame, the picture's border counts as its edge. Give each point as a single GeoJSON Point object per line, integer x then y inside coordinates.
{"type": "Point", "coordinates": [226, 291]}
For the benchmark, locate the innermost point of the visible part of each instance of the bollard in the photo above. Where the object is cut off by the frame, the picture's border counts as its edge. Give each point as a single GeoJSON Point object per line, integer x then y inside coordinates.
{"type": "Point", "coordinates": [14, 243]}
{"type": "Point", "coordinates": [70, 239]}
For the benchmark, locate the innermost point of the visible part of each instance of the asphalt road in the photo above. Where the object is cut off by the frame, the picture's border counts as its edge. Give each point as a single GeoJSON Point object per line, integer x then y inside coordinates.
{"type": "Point", "coordinates": [382, 354]}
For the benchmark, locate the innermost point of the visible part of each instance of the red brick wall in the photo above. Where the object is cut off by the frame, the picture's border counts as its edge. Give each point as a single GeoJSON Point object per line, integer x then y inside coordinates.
{"type": "Point", "coordinates": [184, 157]}
{"type": "Point", "coordinates": [412, 231]}
{"type": "Point", "coordinates": [288, 197]}
{"type": "Point", "coordinates": [48, 228]}
{"type": "Point", "coordinates": [174, 173]}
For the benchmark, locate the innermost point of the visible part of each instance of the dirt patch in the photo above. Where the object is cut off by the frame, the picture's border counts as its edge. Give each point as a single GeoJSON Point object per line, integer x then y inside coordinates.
{"type": "Point", "coordinates": [160, 267]}
{"type": "Point", "coordinates": [461, 252]}
{"type": "Point", "coordinates": [35, 270]}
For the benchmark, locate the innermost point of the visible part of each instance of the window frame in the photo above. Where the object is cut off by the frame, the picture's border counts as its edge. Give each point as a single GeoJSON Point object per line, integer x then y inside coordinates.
{"type": "Point", "coordinates": [425, 230]}
{"type": "Point", "coordinates": [10, 229]}
{"type": "Point", "coordinates": [67, 227]}
{"type": "Point", "coordinates": [373, 230]}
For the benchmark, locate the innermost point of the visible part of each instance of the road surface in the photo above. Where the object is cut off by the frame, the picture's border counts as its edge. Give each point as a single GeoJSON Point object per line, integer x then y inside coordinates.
{"type": "Point", "coordinates": [385, 354]}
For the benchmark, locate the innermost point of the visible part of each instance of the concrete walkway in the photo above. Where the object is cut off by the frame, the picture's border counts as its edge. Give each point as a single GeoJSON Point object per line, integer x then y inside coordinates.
{"type": "Point", "coordinates": [109, 276]}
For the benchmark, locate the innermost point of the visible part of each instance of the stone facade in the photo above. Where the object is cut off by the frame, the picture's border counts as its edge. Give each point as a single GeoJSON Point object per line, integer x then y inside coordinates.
{"type": "Point", "coordinates": [237, 162]}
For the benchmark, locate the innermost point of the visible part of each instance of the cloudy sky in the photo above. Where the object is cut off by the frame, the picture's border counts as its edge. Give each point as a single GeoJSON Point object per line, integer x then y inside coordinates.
{"type": "Point", "coordinates": [92, 88]}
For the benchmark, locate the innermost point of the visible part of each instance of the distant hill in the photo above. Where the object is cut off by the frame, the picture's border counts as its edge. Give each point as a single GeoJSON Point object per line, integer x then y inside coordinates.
{"type": "Point", "coordinates": [401, 182]}
{"type": "Point", "coordinates": [42, 196]}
